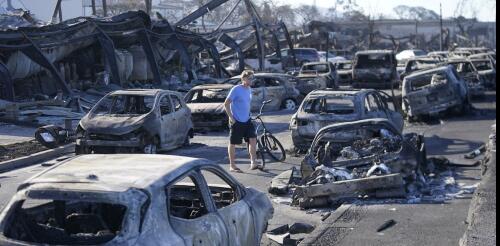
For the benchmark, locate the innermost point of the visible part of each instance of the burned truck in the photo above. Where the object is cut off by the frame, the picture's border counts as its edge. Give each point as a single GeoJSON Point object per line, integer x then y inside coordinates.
{"type": "Point", "coordinates": [134, 200]}
{"type": "Point", "coordinates": [375, 69]}
{"type": "Point", "coordinates": [366, 157]}
{"type": "Point", "coordinates": [145, 121]}
{"type": "Point", "coordinates": [468, 72]}
{"type": "Point", "coordinates": [434, 91]}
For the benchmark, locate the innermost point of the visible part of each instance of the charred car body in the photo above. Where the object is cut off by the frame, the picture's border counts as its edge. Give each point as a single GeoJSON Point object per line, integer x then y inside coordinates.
{"type": "Point", "coordinates": [207, 106]}
{"type": "Point", "coordinates": [434, 91]}
{"type": "Point", "coordinates": [418, 63]}
{"type": "Point", "coordinates": [324, 71]}
{"type": "Point", "coordinates": [367, 157]}
{"type": "Point", "coordinates": [134, 200]}
{"type": "Point", "coordinates": [466, 69]}
{"type": "Point", "coordinates": [325, 107]}
{"type": "Point", "coordinates": [344, 72]}
{"type": "Point", "coordinates": [374, 69]}
{"type": "Point", "coordinates": [135, 120]}
{"type": "Point", "coordinates": [487, 70]}
{"type": "Point", "coordinates": [280, 88]}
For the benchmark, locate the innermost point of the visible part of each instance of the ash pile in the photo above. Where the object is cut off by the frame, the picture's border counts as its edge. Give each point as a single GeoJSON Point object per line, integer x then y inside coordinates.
{"type": "Point", "coordinates": [368, 160]}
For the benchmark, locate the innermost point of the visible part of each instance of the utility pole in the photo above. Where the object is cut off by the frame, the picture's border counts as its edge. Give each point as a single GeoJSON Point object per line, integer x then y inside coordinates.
{"type": "Point", "coordinates": [94, 11]}
{"type": "Point", "coordinates": [416, 33]}
{"type": "Point", "coordinates": [104, 8]}
{"type": "Point", "coordinates": [440, 27]}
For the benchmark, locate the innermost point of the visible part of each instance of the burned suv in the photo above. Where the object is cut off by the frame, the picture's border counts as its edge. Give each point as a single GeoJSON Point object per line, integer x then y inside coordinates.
{"type": "Point", "coordinates": [434, 91]}
{"type": "Point", "coordinates": [374, 69]}
{"type": "Point", "coordinates": [325, 107]}
{"type": "Point", "coordinates": [135, 120]}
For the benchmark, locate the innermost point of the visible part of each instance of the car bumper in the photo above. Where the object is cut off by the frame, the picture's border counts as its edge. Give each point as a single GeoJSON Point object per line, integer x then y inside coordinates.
{"type": "Point", "coordinates": [109, 143]}
{"type": "Point", "coordinates": [433, 110]}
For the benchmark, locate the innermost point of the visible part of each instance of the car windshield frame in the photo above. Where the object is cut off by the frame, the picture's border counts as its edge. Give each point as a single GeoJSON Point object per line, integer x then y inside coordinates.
{"type": "Point", "coordinates": [196, 92]}
{"type": "Point", "coordinates": [110, 101]}
{"type": "Point", "coordinates": [321, 105]}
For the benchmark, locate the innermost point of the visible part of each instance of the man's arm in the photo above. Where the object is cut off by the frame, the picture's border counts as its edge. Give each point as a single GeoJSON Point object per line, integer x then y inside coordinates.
{"type": "Point", "coordinates": [227, 108]}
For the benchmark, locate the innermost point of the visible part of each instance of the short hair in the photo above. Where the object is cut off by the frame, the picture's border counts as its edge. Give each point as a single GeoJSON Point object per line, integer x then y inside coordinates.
{"type": "Point", "coordinates": [247, 74]}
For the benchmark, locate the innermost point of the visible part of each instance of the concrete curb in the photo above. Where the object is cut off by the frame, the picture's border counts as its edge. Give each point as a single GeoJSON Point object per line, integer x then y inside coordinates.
{"type": "Point", "coordinates": [327, 224]}
{"type": "Point", "coordinates": [35, 158]}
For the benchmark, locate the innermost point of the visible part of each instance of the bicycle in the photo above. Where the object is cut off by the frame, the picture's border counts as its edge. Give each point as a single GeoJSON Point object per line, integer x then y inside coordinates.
{"type": "Point", "coordinates": [266, 142]}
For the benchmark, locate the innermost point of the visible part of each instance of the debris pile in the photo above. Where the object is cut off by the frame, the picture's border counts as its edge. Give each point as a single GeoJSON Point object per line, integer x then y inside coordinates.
{"type": "Point", "coordinates": [282, 234]}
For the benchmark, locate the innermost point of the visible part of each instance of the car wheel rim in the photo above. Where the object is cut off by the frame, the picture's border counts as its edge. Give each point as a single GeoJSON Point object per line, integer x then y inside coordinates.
{"type": "Point", "coordinates": [290, 104]}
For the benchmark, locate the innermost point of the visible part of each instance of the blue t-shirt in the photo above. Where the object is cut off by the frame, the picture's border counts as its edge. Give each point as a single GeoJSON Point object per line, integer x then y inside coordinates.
{"type": "Point", "coordinates": [241, 99]}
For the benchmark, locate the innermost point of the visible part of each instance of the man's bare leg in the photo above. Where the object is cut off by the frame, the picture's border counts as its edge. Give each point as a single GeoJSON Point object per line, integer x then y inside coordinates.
{"type": "Point", "coordinates": [253, 153]}
{"type": "Point", "coordinates": [231, 149]}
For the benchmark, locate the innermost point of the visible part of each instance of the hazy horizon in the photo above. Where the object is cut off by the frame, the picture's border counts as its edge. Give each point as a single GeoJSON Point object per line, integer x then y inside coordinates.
{"type": "Point", "coordinates": [483, 10]}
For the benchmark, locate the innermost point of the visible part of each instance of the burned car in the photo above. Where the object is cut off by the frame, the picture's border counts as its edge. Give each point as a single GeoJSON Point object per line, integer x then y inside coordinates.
{"type": "Point", "coordinates": [272, 86]}
{"type": "Point", "coordinates": [434, 91]}
{"type": "Point", "coordinates": [344, 72]}
{"type": "Point", "coordinates": [374, 69]}
{"type": "Point", "coordinates": [468, 72]}
{"type": "Point", "coordinates": [207, 106]}
{"type": "Point", "coordinates": [146, 120]}
{"type": "Point", "coordinates": [418, 63]}
{"type": "Point", "coordinates": [487, 70]}
{"type": "Point", "coordinates": [325, 107]}
{"type": "Point", "coordinates": [325, 72]}
{"type": "Point", "coordinates": [134, 200]}
{"type": "Point", "coordinates": [366, 157]}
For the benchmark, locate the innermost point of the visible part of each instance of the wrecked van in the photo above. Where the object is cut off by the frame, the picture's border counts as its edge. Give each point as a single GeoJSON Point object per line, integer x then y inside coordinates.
{"type": "Point", "coordinates": [366, 157]}
{"type": "Point", "coordinates": [434, 91]}
{"type": "Point", "coordinates": [374, 69]}
{"type": "Point", "coordinates": [146, 121]}
{"type": "Point", "coordinates": [134, 200]}
{"type": "Point", "coordinates": [325, 107]}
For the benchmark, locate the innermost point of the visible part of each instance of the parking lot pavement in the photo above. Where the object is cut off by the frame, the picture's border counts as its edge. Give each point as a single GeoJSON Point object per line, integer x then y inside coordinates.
{"type": "Point", "coordinates": [450, 137]}
{"type": "Point", "coordinates": [10, 134]}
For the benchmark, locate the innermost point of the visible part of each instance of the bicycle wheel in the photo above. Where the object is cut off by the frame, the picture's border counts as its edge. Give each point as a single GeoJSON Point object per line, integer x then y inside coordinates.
{"type": "Point", "coordinates": [273, 147]}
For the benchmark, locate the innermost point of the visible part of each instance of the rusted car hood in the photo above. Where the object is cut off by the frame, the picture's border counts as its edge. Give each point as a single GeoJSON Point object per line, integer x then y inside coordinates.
{"type": "Point", "coordinates": [114, 125]}
{"type": "Point", "coordinates": [206, 108]}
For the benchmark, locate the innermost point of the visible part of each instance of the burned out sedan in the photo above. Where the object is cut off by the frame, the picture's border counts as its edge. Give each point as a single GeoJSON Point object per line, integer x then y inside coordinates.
{"type": "Point", "coordinates": [134, 200]}
{"type": "Point", "coordinates": [434, 91]}
{"type": "Point", "coordinates": [207, 106]}
{"type": "Point", "coordinates": [135, 120]}
{"type": "Point", "coordinates": [366, 157]}
{"type": "Point", "coordinates": [325, 107]}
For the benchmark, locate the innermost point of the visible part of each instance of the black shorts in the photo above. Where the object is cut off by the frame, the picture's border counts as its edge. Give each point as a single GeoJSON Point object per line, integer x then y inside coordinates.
{"type": "Point", "coordinates": [240, 130]}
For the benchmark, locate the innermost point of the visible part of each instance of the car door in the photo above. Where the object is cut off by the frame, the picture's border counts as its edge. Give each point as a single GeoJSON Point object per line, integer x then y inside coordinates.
{"type": "Point", "coordinates": [192, 214]}
{"type": "Point", "coordinates": [233, 210]}
{"type": "Point", "coordinates": [168, 122]}
{"type": "Point", "coordinates": [390, 106]}
{"type": "Point", "coordinates": [274, 90]}
{"type": "Point", "coordinates": [182, 116]}
{"type": "Point", "coordinates": [257, 94]}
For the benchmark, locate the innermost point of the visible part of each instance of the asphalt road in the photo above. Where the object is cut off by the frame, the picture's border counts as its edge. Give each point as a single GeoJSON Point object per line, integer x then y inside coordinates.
{"type": "Point", "coordinates": [419, 224]}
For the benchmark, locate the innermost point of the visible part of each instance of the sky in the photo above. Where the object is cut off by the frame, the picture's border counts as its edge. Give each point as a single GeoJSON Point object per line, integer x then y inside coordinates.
{"type": "Point", "coordinates": [484, 10]}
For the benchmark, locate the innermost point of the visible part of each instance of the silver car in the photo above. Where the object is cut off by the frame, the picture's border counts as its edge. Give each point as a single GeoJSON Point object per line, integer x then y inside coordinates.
{"type": "Point", "coordinates": [134, 200]}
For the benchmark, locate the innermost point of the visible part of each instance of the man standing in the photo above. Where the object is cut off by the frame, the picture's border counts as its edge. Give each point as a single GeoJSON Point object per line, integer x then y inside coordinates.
{"type": "Point", "coordinates": [237, 106]}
